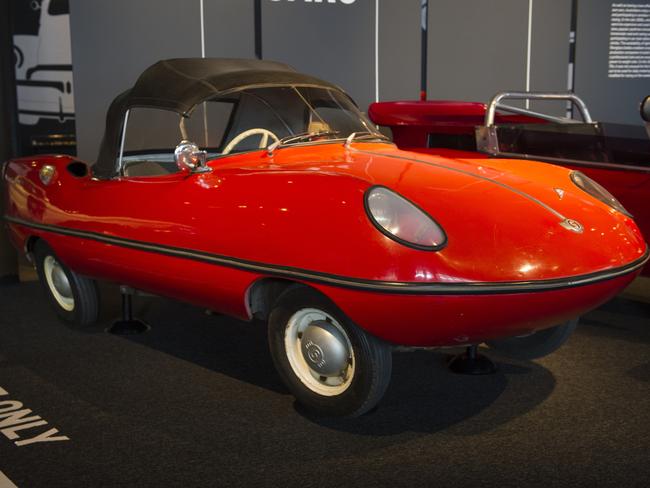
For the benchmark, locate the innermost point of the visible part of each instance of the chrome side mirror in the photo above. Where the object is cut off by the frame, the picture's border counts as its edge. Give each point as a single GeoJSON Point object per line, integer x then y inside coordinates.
{"type": "Point", "coordinates": [645, 113]}
{"type": "Point", "coordinates": [190, 158]}
{"type": "Point", "coordinates": [645, 109]}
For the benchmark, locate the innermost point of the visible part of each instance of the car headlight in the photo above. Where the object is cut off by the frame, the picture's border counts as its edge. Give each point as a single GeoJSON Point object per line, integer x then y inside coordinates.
{"type": "Point", "coordinates": [597, 191]}
{"type": "Point", "coordinates": [403, 221]}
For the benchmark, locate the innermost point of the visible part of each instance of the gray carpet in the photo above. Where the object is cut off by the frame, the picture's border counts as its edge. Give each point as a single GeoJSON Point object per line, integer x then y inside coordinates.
{"type": "Point", "coordinates": [196, 402]}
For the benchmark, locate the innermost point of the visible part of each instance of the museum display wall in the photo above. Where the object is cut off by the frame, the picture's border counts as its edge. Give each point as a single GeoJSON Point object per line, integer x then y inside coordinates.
{"type": "Point", "coordinates": [8, 268]}
{"type": "Point", "coordinates": [474, 48]}
{"type": "Point", "coordinates": [223, 258]}
{"type": "Point", "coordinates": [375, 49]}
{"type": "Point", "coordinates": [372, 48]}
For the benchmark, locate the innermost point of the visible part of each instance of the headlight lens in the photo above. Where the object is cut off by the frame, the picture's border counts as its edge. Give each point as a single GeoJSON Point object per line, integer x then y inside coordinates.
{"type": "Point", "coordinates": [402, 221]}
{"type": "Point", "coordinates": [588, 185]}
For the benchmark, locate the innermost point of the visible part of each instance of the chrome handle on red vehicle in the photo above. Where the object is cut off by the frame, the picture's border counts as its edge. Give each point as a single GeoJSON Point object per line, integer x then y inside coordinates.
{"type": "Point", "coordinates": [495, 103]}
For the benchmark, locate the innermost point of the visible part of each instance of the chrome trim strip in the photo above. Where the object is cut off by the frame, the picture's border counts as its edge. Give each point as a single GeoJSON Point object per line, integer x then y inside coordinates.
{"type": "Point", "coordinates": [496, 99]}
{"type": "Point", "coordinates": [394, 287]}
{"type": "Point", "coordinates": [469, 173]}
{"type": "Point", "coordinates": [539, 115]}
{"type": "Point", "coordinates": [120, 169]}
{"type": "Point", "coordinates": [563, 161]}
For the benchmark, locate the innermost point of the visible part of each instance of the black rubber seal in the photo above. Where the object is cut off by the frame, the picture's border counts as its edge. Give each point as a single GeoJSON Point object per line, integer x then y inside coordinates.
{"type": "Point", "coordinates": [390, 287]}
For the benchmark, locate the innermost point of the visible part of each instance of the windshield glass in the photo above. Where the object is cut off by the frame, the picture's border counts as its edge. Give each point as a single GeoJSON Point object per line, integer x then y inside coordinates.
{"type": "Point", "coordinates": [290, 111]}
{"type": "Point", "coordinates": [244, 120]}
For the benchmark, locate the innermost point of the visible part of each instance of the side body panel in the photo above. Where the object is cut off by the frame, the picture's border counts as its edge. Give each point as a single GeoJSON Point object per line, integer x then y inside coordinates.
{"type": "Point", "coordinates": [303, 209]}
{"type": "Point", "coordinates": [413, 123]}
{"type": "Point", "coordinates": [448, 320]}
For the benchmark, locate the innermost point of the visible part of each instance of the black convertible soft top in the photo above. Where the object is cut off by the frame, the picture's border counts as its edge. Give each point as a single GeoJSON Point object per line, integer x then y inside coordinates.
{"type": "Point", "coordinates": [183, 83]}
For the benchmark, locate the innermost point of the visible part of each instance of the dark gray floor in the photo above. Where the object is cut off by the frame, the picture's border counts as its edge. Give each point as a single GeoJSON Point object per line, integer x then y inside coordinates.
{"type": "Point", "coordinates": [196, 402]}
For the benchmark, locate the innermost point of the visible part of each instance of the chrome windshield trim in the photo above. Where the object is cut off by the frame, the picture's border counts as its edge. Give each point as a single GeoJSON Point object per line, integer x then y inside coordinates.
{"type": "Point", "coordinates": [120, 169]}
{"type": "Point", "coordinates": [392, 287]}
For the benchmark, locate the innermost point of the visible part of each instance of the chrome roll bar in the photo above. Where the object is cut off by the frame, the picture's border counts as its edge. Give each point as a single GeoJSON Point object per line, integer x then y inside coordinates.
{"type": "Point", "coordinates": [495, 103]}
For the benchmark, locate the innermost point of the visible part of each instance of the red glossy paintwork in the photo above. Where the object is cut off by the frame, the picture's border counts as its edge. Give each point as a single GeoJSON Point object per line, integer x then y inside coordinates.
{"type": "Point", "coordinates": [412, 121]}
{"type": "Point", "coordinates": [443, 112]}
{"type": "Point", "coordinates": [303, 208]}
{"type": "Point", "coordinates": [454, 320]}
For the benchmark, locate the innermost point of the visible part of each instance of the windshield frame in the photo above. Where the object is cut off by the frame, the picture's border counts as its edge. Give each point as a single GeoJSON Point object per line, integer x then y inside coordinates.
{"type": "Point", "coordinates": [370, 127]}
{"type": "Point", "coordinates": [212, 156]}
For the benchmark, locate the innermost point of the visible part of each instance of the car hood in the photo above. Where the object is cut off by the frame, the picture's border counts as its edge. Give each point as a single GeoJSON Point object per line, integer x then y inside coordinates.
{"type": "Point", "coordinates": [505, 219]}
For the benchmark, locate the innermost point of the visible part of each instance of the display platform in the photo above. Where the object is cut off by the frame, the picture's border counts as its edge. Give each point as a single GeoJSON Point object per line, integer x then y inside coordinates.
{"type": "Point", "coordinates": [196, 402]}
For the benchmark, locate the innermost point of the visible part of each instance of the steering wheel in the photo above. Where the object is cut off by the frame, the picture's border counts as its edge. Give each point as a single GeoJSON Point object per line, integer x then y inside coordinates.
{"type": "Point", "coordinates": [246, 134]}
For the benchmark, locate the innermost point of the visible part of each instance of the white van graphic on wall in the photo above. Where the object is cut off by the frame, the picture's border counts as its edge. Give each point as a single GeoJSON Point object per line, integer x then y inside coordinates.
{"type": "Point", "coordinates": [44, 66]}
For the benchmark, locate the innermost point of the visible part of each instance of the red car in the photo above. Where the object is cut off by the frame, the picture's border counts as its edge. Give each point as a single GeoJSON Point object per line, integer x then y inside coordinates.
{"type": "Point", "coordinates": [298, 211]}
{"type": "Point", "coordinates": [615, 155]}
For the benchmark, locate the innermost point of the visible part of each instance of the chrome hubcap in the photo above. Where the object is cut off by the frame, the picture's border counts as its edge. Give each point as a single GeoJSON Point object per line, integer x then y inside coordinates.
{"type": "Point", "coordinates": [319, 352]}
{"type": "Point", "coordinates": [324, 348]}
{"type": "Point", "coordinates": [58, 283]}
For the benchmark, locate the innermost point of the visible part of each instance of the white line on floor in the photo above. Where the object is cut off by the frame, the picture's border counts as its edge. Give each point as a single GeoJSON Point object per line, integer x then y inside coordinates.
{"type": "Point", "coordinates": [6, 482]}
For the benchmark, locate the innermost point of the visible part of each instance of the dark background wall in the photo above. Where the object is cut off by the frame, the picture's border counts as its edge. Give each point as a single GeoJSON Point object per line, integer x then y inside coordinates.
{"type": "Point", "coordinates": [399, 49]}
{"type": "Point", "coordinates": [372, 48]}
{"type": "Point", "coordinates": [549, 50]}
{"type": "Point", "coordinates": [8, 123]}
{"type": "Point", "coordinates": [112, 42]}
{"type": "Point", "coordinates": [468, 43]}
{"type": "Point", "coordinates": [475, 48]}
{"type": "Point", "coordinates": [613, 99]}
{"type": "Point", "coordinates": [336, 42]}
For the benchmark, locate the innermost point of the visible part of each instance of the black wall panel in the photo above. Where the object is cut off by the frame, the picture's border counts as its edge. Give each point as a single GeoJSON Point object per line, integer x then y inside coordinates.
{"type": "Point", "coordinates": [399, 49]}
{"type": "Point", "coordinates": [611, 99]}
{"type": "Point", "coordinates": [229, 28]}
{"type": "Point", "coordinates": [8, 122]}
{"type": "Point", "coordinates": [112, 42]}
{"type": "Point", "coordinates": [476, 48]}
{"type": "Point", "coordinates": [334, 41]}
{"type": "Point", "coordinates": [549, 53]}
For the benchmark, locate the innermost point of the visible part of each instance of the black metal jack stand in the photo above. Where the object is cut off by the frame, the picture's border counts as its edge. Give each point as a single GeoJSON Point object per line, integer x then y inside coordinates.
{"type": "Point", "coordinates": [471, 362]}
{"type": "Point", "coordinates": [128, 325]}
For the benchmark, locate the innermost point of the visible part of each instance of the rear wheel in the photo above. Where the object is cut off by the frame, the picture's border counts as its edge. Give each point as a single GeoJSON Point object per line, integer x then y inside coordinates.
{"type": "Point", "coordinates": [74, 298]}
{"type": "Point", "coordinates": [330, 365]}
{"type": "Point", "coordinates": [536, 345]}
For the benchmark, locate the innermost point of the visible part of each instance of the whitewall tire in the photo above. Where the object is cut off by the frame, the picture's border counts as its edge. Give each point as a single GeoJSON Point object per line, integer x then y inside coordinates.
{"type": "Point", "coordinates": [330, 365]}
{"type": "Point", "coordinates": [74, 298]}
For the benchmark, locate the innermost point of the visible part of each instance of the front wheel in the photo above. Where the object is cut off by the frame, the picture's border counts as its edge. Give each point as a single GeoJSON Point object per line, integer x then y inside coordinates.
{"type": "Point", "coordinates": [330, 365]}
{"type": "Point", "coordinates": [74, 298]}
{"type": "Point", "coordinates": [535, 345]}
